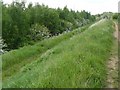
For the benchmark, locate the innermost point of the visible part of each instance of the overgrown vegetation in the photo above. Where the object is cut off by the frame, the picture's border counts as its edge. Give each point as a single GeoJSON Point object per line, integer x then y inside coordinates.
{"type": "Point", "coordinates": [55, 48]}
{"type": "Point", "coordinates": [14, 60]}
{"type": "Point", "coordinates": [115, 16]}
{"type": "Point", "coordinates": [18, 23]}
{"type": "Point", "coordinates": [79, 61]}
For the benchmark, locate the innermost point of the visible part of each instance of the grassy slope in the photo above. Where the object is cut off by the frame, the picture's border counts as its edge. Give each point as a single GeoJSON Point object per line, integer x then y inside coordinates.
{"type": "Point", "coordinates": [77, 62]}
{"type": "Point", "coordinates": [14, 60]}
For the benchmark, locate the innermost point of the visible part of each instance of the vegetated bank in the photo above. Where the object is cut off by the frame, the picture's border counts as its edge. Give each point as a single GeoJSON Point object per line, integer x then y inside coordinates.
{"type": "Point", "coordinates": [15, 59]}
{"type": "Point", "coordinates": [79, 61]}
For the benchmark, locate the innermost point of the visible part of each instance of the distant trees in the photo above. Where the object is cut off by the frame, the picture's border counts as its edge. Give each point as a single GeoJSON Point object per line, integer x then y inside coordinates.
{"type": "Point", "coordinates": [22, 25]}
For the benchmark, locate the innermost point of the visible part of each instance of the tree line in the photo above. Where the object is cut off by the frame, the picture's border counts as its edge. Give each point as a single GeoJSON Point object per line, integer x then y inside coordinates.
{"type": "Point", "coordinates": [23, 25]}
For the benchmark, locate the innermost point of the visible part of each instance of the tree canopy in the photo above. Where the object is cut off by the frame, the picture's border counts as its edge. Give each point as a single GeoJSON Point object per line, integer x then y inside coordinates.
{"type": "Point", "coordinates": [19, 22]}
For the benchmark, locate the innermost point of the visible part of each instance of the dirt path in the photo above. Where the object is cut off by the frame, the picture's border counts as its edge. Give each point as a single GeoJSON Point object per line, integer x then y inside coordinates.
{"type": "Point", "coordinates": [112, 64]}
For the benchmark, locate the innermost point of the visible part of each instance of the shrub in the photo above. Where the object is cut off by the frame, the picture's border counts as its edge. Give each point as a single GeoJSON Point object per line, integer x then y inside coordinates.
{"type": "Point", "coordinates": [115, 16]}
{"type": "Point", "coordinates": [39, 32]}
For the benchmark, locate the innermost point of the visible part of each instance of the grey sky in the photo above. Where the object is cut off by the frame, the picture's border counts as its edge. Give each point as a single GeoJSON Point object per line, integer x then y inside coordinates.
{"type": "Point", "coordinates": [93, 6]}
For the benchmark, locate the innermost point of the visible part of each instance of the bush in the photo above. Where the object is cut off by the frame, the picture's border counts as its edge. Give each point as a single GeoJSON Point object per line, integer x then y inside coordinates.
{"type": "Point", "coordinates": [39, 32]}
{"type": "Point", "coordinates": [115, 16]}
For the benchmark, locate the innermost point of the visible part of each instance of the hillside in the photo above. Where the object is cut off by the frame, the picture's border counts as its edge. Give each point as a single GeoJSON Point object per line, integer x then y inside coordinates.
{"type": "Point", "coordinates": [76, 59]}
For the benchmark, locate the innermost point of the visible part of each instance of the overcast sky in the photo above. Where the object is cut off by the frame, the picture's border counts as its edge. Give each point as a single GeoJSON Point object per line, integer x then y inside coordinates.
{"type": "Point", "coordinates": [93, 6]}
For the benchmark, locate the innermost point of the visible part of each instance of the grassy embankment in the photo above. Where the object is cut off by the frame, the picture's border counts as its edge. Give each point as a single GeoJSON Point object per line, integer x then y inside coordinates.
{"type": "Point", "coordinates": [14, 60]}
{"type": "Point", "coordinates": [79, 61]}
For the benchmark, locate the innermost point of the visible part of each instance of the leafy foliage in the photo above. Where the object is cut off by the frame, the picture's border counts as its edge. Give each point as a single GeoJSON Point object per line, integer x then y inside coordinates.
{"type": "Point", "coordinates": [19, 21]}
{"type": "Point", "coordinates": [38, 32]}
{"type": "Point", "coordinates": [115, 16]}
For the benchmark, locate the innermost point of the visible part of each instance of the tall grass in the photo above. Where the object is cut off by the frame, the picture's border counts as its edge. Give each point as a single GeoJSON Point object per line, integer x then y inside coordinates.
{"type": "Point", "coordinates": [77, 62]}
{"type": "Point", "coordinates": [14, 60]}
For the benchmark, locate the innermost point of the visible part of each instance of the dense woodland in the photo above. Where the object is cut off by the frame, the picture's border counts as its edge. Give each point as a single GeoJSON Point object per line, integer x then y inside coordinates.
{"type": "Point", "coordinates": [25, 25]}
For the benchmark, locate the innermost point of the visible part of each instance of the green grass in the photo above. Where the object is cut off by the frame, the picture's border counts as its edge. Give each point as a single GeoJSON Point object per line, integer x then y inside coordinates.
{"type": "Point", "coordinates": [14, 60]}
{"type": "Point", "coordinates": [118, 64]}
{"type": "Point", "coordinates": [79, 61]}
